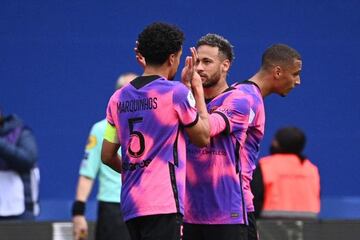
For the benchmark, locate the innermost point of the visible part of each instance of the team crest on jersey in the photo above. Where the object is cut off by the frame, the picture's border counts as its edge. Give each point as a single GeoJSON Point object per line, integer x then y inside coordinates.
{"type": "Point", "coordinates": [91, 142]}
{"type": "Point", "coordinates": [191, 99]}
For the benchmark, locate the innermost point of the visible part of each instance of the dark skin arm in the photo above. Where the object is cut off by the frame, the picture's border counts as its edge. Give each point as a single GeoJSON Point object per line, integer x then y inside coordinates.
{"type": "Point", "coordinates": [109, 155]}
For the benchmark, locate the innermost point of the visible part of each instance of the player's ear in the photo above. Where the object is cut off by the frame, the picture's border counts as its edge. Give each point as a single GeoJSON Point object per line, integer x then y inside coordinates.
{"type": "Point", "coordinates": [226, 65]}
{"type": "Point", "coordinates": [277, 71]}
{"type": "Point", "coordinates": [171, 59]}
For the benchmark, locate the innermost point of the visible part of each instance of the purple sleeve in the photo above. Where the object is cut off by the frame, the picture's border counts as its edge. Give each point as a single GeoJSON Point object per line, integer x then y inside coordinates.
{"type": "Point", "coordinates": [235, 111]}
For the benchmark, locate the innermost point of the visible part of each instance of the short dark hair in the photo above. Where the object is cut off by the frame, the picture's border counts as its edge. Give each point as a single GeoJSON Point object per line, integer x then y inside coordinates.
{"type": "Point", "coordinates": [158, 41]}
{"type": "Point", "coordinates": [215, 40]}
{"type": "Point", "coordinates": [279, 54]}
{"type": "Point", "coordinates": [291, 140]}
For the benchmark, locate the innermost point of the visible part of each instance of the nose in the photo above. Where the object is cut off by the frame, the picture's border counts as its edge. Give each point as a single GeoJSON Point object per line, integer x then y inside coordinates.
{"type": "Point", "coordinates": [199, 67]}
{"type": "Point", "coordinates": [298, 81]}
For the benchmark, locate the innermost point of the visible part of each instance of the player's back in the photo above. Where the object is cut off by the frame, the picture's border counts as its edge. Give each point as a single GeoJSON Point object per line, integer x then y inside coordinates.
{"type": "Point", "coordinates": [254, 135]}
{"type": "Point", "coordinates": [256, 128]}
{"type": "Point", "coordinates": [150, 112]}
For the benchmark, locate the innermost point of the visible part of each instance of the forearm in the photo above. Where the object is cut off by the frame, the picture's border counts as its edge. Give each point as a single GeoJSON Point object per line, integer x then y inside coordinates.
{"type": "Point", "coordinates": [84, 188]}
{"type": "Point", "coordinates": [114, 163]}
{"type": "Point", "coordinates": [198, 93]}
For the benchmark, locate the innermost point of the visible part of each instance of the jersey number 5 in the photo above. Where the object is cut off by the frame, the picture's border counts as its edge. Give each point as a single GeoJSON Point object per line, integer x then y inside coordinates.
{"type": "Point", "coordinates": [138, 135]}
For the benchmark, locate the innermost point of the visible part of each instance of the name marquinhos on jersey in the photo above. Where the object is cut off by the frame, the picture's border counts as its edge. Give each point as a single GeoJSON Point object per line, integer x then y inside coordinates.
{"type": "Point", "coordinates": [134, 105]}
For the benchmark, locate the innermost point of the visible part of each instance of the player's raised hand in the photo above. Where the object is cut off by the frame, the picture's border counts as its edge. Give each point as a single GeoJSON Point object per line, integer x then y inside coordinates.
{"type": "Point", "coordinates": [186, 73]}
{"type": "Point", "coordinates": [196, 79]}
{"type": "Point", "coordinates": [189, 74]}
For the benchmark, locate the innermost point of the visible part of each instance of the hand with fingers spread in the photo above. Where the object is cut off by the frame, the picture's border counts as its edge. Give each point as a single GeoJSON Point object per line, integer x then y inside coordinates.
{"type": "Point", "coordinates": [189, 76]}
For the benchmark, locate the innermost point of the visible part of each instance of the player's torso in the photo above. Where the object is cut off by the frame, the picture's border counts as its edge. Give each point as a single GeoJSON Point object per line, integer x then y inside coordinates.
{"type": "Point", "coordinates": [151, 137]}
{"type": "Point", "coordinates": [213, 173]}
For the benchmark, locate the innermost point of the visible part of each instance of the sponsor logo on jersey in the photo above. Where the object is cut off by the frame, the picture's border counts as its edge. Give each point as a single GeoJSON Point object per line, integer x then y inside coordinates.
{"type": "Point", "coordinates": [91, 142]}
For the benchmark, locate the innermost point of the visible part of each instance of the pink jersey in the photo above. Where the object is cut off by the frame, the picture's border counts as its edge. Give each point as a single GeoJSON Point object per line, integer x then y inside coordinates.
{"type": "Point", "coordinates": [213, 182]}
{"type": "Point", "coordinates": [149, 115]}
{"type": "Point", "coordinates": [250, 152]}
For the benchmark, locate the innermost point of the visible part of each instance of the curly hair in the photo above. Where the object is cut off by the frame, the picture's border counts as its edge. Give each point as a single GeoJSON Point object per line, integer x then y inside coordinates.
{"type": "Point", "coordinates": [280, 54]}
{"type": "Point", "coordinates": [158, 40]}
{"type": "Point", "coordinates": [215, 40]}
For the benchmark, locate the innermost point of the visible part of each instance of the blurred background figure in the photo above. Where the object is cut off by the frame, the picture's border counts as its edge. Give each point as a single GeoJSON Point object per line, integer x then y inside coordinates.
{"type": "Point", "coordinates": [110, 224]}
{"type": "Point", "coordinates": [286, 184]}
{"type": "Point", "coordinates": [19, 175]}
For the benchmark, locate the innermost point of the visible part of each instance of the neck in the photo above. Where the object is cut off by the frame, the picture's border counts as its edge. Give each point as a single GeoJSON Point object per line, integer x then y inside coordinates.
{"type": "Point", "coordinates": [162, 71]}
{"type": "Point", "coordinates": [262, 79]}
{"type": "Point", "coordinates": [216, 90]}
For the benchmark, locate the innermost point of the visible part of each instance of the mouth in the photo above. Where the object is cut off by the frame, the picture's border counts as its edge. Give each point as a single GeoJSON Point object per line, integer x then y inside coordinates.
{"type": "Point", "coordinates": [203, 77]}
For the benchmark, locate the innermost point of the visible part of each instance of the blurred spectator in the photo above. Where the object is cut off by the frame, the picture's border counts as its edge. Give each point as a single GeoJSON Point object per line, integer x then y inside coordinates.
{"type": "Point", "coordinates": [110, 224]}
{"type": "Point", "coordinates": [286, 184]}
{"type": "Point", "coordinates": [19, 175]}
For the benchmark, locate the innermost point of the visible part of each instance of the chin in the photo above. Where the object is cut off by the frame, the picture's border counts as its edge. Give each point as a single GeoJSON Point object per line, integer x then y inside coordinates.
{"type": "Point", "coordinates": [283, 94]}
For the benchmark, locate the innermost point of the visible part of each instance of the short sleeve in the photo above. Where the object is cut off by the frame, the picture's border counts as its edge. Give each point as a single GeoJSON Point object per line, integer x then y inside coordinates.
{"type": "Point", "coordinates": [111, 109]}
{"type": "Point", "coordinates": [218, 124]}
{"type": "Point", "coordinates": [91, 162]}
{"type": "Point", "coordinates": [235, 111]}
{"type": "Point", "coordinates": [184, 104]}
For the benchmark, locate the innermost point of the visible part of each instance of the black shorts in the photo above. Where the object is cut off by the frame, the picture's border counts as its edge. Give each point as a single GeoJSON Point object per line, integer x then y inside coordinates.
{"type": "Point", "coordinates": [214, 231]}
{"type": "Point", "coordinates": [110, 224]}
{"type": "Point", "coordinates": [252, 229]}
{"type": "Point", "coordinates": [155, 227]}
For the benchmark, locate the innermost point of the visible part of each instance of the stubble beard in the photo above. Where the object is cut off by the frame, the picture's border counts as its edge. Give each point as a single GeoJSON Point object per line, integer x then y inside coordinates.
{"type": "Point", "coordinates": [211, 81]}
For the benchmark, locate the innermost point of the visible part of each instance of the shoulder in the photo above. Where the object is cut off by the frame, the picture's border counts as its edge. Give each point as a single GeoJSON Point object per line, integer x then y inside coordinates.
{"type": "Point", "coordinates": [14, 120]}
{"type": "Point", "coordinates": [100, 125]}
{"type": "Point", "coordinates": [179, 86]}
{"type": "Point", "coordinates": [267, 159]}
{"type": "Point", "coordinates": [116, 95]}
{"type": "Point", "coordinates": [239, 100]}
{"type": "Point", "coordinates": [98, 129]}
{"type": "Point", "coordinates": [311, 165]}
{"type": "Point", "coordinates": [180, 90]}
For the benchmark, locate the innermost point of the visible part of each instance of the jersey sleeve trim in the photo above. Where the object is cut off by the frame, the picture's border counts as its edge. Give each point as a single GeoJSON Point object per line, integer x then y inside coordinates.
{"type": "Point", "coordinates": [227, 128]}
{"type": "Point", "coordinates": [194, 122]}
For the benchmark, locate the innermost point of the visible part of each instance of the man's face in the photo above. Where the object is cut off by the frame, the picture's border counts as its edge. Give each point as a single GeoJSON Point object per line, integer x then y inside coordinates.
{"type": "Point", "coordinates": [209, 65]}
{"type": "Point", "coordinates": [289, 78]}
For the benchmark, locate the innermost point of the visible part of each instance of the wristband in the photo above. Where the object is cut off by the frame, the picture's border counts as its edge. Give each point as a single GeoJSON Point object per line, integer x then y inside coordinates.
{"type": "Point", "coordinates": [78, 208]}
